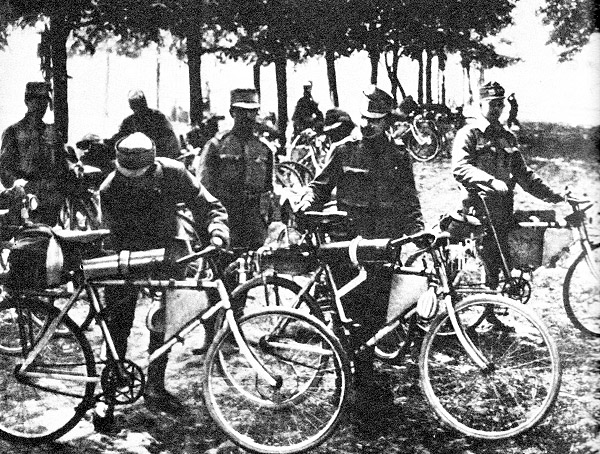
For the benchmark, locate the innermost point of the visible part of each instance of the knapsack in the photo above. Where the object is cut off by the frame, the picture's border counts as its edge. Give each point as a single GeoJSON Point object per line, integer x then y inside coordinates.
{"type": "Point", "coordinates": [36, 259]}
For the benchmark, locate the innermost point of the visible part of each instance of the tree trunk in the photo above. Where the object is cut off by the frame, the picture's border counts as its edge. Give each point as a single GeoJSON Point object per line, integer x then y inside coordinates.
{"type": "Point", "coordinates": [374, 57]}
{"type": "Point", "coordinates": [158, 77]}
{"type": "Point", "coordinates": [256, 73]}
{"type": "Point", "coordinates": [58, 42]}
{"type": "Point", "coordinates": [429, 59]}
{"type": "Point", "coordinates": [332, 78]}
{"type": "Point", "coordinates": [282, 107]}
{"type": "Point", "coordinates": [420, 86]}
{"type": "Point", "coordinates": [442, 76]}
{"type": "Point", "coordinates": [194, 56]}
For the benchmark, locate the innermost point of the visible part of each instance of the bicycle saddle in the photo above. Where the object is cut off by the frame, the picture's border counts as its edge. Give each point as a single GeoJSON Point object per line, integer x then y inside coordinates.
{"type": "Point", "coordinates": [79, 236]}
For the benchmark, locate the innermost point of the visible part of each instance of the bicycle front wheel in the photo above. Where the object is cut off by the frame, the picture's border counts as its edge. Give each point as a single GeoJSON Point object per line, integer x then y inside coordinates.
{"type": "Point", "coordinates": [49, 399]}
{"type": "Point", "coordinates": [303, 409]}
{"type": "Point", "coordinates": [581, 292]}
{"type": "Point", "coordinates": [517, 388]}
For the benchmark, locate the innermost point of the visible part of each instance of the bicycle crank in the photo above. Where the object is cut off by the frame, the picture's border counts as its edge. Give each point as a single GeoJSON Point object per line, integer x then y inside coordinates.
{"type": "Point", "coordinates": [122, 382]}
{"type": "Point", "coordinates": [517, 288]}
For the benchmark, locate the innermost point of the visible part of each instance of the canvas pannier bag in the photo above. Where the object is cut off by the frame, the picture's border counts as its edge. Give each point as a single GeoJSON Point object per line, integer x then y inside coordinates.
{"type": "Point", "coordinates": [36, 259]}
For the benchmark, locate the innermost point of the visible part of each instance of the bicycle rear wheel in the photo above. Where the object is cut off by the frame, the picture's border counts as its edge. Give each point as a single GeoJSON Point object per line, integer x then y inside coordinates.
{"type": "Point", "coordinates": [431, 142]}
{"type": "Point", "coordinates": [46, 404]}
{"type": "Point", "coordinates": [518, 388]}
{"type": "Point", "coordinates": [581, 292]}
{"type": "Point", "coordinates": [304, 409]}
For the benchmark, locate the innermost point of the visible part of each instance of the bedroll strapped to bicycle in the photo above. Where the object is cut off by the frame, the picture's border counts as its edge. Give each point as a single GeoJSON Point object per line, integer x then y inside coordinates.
{"type": "Point", "coordinates": [36, 259]}
{"type": "Point", "coordinates": [124, 264]}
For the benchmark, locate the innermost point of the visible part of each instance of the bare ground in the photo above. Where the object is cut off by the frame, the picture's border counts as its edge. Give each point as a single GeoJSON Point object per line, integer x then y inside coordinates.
{"type": "Point", "coordinates": [562, 156]}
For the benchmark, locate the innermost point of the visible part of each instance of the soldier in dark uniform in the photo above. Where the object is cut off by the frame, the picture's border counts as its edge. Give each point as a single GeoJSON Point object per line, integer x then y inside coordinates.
{"type": "Point", "coordinates": [151, 122]}
{"type": "Point", "coordinates": [34, 151]}
{"type": "Point", "coordinates": [307, 113]}
{"type": "Point", "coordinates": [375, 185]}
{"type": "Point", "coordinates": [237, 167]}
{"type": "Point", "coordinates": [486, 158]}
{"type": "Point", "coordinates": [140, 201]}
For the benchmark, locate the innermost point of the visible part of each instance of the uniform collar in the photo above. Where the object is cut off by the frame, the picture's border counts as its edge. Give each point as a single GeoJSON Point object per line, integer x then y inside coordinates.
{"type": "Point", "coordinates": [483, 124]}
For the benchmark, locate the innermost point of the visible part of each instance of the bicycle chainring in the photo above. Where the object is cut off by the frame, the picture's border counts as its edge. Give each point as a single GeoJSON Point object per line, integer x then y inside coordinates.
{"type": "Point", "coordinates": [122, 382]}
{"type": "Point", "coordinates": [517, 288]}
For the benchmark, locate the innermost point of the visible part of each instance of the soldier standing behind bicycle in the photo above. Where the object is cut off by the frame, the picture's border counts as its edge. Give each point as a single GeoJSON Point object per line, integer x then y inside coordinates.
{"type": "Point", "coordinates": [34, 151]}
{"type": "Point", "coordinates": [376, 186]}
{"type": "Point", "coordinates": [486, 158]}
{"type": "Point", "coordinates": [237, 167]}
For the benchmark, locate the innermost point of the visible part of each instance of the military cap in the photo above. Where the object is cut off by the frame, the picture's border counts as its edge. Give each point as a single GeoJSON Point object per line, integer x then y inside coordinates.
{"type": "Point", "coordinates": [88, 139]}
{"type": "Point", "coordinates": [335, 117]}
{"type": "Point", "coordinates": [377, 103]}
{"type": "Point", "coordinates": [491, 90]}
{"type": "Point", "coordinates": [245, 98]}
{"type": "Point", "coordinates": [37, 90]}
{"type": "Point", "coordinates": [135, 151]}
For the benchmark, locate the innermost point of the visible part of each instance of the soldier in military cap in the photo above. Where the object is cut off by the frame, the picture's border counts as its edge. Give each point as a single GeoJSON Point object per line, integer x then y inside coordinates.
{"type": "Point", "coordinates": [375, 185]}
{"type": "Point", "coordinates": [307, 113]}
{"type": "Point", "coordinates": [486, 158]}
{"type": "Point", "coordinates": [34, 151]}
{"type": "Point", "coordinates": [237, 167]}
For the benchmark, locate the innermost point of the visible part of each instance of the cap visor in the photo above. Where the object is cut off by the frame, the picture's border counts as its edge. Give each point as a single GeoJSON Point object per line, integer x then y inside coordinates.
{"type": "Point", "coordinates": [373, 115]}
{"type": "Point", "coordinates": [246, 105]}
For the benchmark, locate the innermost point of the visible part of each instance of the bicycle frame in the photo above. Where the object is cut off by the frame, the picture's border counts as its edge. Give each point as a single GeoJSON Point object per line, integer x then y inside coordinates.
{"type": "Point", "coordinates": [224, 304]}
{"type": "Point", "coordinates": [439, 272]}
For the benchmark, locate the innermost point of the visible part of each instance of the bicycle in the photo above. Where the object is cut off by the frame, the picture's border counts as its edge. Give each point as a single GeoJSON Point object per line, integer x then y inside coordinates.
{"type": "Point", "coordinates": [419, 135]}
{"type": "Point", "coordinates": [581, 286]}
{"type": "Point", "coordinates": [268, 371]}
{"type": "Point", "coordinates": [488, 365]}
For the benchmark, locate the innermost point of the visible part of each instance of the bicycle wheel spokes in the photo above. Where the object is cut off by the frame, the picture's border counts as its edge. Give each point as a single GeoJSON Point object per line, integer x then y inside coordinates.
{"type": "Point", "coordinates": [518, 387]}
{"type": "Point", "coordinates": [295, 416]}
{"type": "Point", "coordinates": [44, 404]}
{"type": "Point", "coordinates": [581, 292]}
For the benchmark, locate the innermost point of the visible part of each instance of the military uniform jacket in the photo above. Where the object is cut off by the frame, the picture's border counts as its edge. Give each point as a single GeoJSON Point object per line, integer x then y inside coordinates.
{"type": "Point", "coordinates": [375, 184]}
{"type": "Point", "coordinates": [234, 169]}
{"type": "Point", "coordinates": [141, 212]}
{"type": "Point", "coordinates": [483, 152]}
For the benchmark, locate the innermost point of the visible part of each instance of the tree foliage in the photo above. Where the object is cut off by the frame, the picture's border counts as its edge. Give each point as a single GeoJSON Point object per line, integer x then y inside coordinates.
{"type": "Point", "coordinates": [572, 24]}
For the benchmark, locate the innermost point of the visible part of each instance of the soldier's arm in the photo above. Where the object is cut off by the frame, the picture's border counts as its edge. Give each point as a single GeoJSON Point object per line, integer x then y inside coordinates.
{"type": "Point", "coordinates": [530, 182]}
{"type": "Point", "coordinates": [9, 156]}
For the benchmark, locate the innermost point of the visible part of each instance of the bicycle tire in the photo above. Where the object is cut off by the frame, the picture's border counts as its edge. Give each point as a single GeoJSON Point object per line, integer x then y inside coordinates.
{"type": "Point", "coordinates": [581, 292]}
{"type": "Point", "coordinates": [272, 290]}
{"type": "Point", "coordinates": [424, 152]}
{"type": "Point", "coordinates": [36, 410]}
{"type": "Point", "coordinates": [294, 417]}
{"type": "Point", "coordinates": [519, 388]}
{"type": "Point", "coordinates": [292, 174]}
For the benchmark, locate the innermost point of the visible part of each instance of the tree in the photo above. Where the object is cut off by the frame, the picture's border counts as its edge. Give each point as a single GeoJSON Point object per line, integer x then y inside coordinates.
{"type": "Point", "coordinates": [573, 22]}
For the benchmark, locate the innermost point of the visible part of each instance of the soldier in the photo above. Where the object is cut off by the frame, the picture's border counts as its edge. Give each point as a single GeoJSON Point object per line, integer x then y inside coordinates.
{"type": "Point", "coordinates": [34, 151]}
{"type": "Point", "coordinates": [307, 113]}
{"type": "Point", "coordinates": [140, 200]}
{"type": "Point", "coordinates": [486, 158]}
{"type": "Point", "coordinates": [237, 167]}
{"type": "Point", "coordinates": [152, 123]}
{"type": "Point", "coordinates": [375, 185]}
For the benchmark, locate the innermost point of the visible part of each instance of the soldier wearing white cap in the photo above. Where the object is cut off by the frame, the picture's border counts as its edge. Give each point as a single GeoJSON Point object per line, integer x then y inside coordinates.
{"type": "Point", "coordinates": [486, 158]}
{"type": "Point", "coordinates": [34, 151]}
{"type": "Point", "coordinates": [237, 167]}
{"type": "Point", "coordinates": [140, 202]}
{"type": "Point", "coordinates": [375, 185]}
